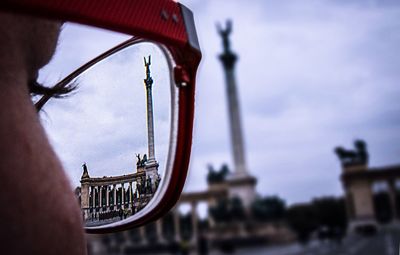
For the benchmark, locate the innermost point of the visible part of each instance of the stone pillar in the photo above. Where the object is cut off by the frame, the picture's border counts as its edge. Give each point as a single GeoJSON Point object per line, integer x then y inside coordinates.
{"type": "Point", "coordinates": [130, 194]}
{"type": "Point", "coordinates": [235, 125]}
{"type": "Point", "coordinates": [142, 233]}
{"type": "Point", "coordinates": [211, 203]}
{"type": "Point", "coordinates": [194, 217]}
{"type": "Point", "coordinates": [100, 197]}
{"type": "Point", "coordinates": [160, 237]}
{"type": "Point", "coordinates": [122, 196]}
{"type": "Point", "coordinates": [107, 197]}
{"type": "Point", "coordinates": [362, 202]}
{"type": "Point", "coordinates": [93, 197]}
{"type": "Point", "coordinates": [84, 195]}
{"type": "Point", "coordinates": [392, 195]}
{"type": "Point", "coordinates": [349, 204]}
{"type": "Point", "coordinates": [177, 229]}
{"type": "Point", "coordinates": [115, 194]}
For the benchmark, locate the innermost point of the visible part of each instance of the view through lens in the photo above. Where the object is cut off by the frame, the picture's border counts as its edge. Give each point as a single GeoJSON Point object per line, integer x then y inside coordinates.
{"type": "Point", "coordinates": [112, 133]}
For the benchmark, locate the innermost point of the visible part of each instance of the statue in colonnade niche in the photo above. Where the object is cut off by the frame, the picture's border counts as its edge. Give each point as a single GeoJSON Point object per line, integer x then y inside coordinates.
{"type": "Point", "coordinates": [141, 186]}
{"type": "Point", "coordinates": [157, 181]}
{"type": "Point", "coordinates": [149, 188]}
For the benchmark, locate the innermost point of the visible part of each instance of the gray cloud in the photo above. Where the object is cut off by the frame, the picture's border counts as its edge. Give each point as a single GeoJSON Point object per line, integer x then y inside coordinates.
{"type": "Point", "coordinates": [312, 75]}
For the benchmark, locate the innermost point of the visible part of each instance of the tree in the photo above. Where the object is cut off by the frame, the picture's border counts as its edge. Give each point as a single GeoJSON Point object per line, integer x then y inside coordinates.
{"type": "Point", "coordinates": [236, 209]}
{"type": "Point", "coordinates": [302, 219]}
{"type": "Point", "coordinates": [220, 211]}
{"type": "Point", "coordinates": [186, 228]}
{"type": "Point", "coordinates": [227, 210]}
{"type": "Point", "coordinates": [327, 215]}
{"type": "Point", "coordinates": [331, 212]}
{"type": "Point", "coordinates": [268, 209]}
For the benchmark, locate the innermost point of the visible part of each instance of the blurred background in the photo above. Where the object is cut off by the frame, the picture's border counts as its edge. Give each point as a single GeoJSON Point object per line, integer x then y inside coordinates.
{"type": "Point", "coordinates": [292, 81]}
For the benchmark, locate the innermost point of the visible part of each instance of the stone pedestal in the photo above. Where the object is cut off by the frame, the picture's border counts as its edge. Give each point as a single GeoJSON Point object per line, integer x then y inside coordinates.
{"type": "Point", "coordinates": [151, 169]}
{"type": "Point", "coordinates": [84, 195]}
{"type": "Point", "coordinates": [242, 188]}
{"type": "Point", "coordinates": [357, 223]}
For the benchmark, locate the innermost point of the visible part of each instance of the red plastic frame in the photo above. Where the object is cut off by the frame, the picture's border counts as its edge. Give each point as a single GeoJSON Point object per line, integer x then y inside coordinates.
{"type": "Point", "coordinates": [161, 21]}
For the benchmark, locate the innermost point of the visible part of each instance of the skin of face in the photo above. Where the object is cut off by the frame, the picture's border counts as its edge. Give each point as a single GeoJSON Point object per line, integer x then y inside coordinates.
{"type": "Point", "coordinates": [39, 213]}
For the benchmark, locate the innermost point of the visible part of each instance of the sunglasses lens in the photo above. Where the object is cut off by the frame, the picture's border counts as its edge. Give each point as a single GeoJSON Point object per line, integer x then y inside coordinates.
{"type": "Point", "coordinates": [113, 132]}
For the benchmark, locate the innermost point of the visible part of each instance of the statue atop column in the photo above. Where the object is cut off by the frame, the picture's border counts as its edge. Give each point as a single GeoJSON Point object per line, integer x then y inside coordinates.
{"type": "Point", "coordinates": [85, 174]}
{"type": "Point", "coordinates": [359, 156]}
{"type": "Point", "coordinates": [228, 58]}
{"type": "Point", "coordinates": [148, 81]}
{"type": "Point", "coordinates": [141, 162]}
{"type": "Point", "coordinates": [225, 35]}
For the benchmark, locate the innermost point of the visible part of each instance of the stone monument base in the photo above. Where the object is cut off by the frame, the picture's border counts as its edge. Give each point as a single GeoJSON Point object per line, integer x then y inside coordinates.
{"type": "Point", "coordinates": [242, 187]}
{"type": "Point", "coordinates": [362, 225]}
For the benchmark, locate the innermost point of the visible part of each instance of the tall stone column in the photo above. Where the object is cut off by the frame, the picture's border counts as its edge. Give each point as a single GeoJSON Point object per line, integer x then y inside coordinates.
{"type": "Point", "coordinates": [228, 59]}
{"type": "Point", "coordinates": [241, 183]}
{"type": "Point", "coordinates": [150, 123]}
{"type": "Point", "coordinates": [151, 166]}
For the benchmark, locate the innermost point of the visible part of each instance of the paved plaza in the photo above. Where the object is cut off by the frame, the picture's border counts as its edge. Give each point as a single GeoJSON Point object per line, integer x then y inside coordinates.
{"type": "Point", "coordinates": [386, 242]}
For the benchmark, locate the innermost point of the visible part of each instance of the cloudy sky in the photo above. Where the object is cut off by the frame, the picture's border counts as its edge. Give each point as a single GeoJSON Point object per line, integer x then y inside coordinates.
{"type": "Point", "coordinates": [312, 75]}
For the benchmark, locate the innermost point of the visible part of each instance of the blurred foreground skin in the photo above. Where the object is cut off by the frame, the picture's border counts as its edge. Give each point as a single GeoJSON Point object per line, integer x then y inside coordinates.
{"type": "Point", "coordinates": [39, 213]}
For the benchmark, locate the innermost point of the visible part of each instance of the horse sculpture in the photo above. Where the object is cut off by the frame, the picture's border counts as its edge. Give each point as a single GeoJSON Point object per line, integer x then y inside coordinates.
{"type": "Point", "coordinates": [358, 156]}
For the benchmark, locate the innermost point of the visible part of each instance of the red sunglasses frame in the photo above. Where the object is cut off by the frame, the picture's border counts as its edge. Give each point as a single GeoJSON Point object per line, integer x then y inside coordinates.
{"type": "Point", "coordinates": [160, 21]}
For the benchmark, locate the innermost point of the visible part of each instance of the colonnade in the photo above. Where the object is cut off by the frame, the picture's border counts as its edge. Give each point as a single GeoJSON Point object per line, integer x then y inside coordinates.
{"type": "Point", "coordinates": [159, 231]}
{"type": "Point", "coordinates": [115, 195]}
{"type": "Point", "coordinates": [116, 200]}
